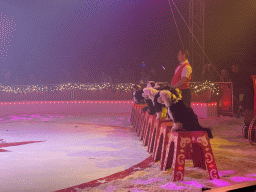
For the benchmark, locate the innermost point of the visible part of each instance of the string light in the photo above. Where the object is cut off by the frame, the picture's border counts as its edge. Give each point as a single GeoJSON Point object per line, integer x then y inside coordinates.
{"type": "Point", "coordinates": [24, 89]}
{"type": "Point", "coordinates": [198, 88]}
{"type": "Point", "coordinates": [204, 104]}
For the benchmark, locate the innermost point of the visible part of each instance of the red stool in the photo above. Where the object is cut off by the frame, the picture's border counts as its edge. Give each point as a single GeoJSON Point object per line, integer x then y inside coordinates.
{"type": "Point", "coordinates": [133, 113]}
{"type": "Point", "coordinates": [202, 155]}
{"type": "Point", "coordinates": [162, 142]}
{"type": "Point", "coordinates": [141, 122]}
{"type": "Point", "coordinates": [159, 153]}
{"type": "Point", "coordinates": [144, 125]}
{"type": "Point", "coordinates": [138, 117]}
{"type": "Point", "coordinates": [252, 132]}
{"type": "Point", "coordinates": [154, 134]}
{"type": "Point", "coordinates": [148, 129]}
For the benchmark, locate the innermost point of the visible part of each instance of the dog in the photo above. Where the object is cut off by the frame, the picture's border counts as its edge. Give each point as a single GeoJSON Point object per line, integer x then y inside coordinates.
{"type": "Point", "coordinates": [137, 94]}
{"type": "Point", "coordinates": [151, 95]}
{"type": "Point", "coordinates": [151, 84]}
{"type": "Point", "coordinates": [183, 116]}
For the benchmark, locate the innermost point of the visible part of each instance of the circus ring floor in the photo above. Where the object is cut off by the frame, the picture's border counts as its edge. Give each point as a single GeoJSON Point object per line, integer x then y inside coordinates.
{"type": "Point", "coordinates": [49, 146]}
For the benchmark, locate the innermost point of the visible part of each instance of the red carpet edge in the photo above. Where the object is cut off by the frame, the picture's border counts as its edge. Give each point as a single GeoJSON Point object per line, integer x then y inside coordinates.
{"type": "Point", "coordinates": [120, 175]}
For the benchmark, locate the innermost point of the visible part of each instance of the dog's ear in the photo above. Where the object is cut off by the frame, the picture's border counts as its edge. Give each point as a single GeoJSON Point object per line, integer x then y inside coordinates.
{"type": "Point", "coordinates": [150, 92]}
{"type": "Point", "coordinates": [171, 94]}
{"type": "Point", "coordinates": [178, 93]}
{"type": "Point", "coordinates": [173, 98]}
{"type": "Point", "coordinates": [153, 91]}
{"type": "Point", "coordinates": [166, 97]}
{"type": "Point", "coordinates": [145, 92]}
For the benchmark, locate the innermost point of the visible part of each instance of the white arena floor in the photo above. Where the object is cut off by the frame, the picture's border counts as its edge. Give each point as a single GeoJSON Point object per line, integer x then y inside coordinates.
{"type": "Point", "coordinates": [47, 152]}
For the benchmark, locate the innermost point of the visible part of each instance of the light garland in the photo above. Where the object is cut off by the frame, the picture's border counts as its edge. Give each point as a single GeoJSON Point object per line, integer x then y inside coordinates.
{"type": "Point", "coordinates": [207, 85]}
{"type": "Point", "coordinates": [24, 89]}
{"type": "Point", "coordinates": [123, 87]}
{"type": "Point", "coordinates": [204, 104]}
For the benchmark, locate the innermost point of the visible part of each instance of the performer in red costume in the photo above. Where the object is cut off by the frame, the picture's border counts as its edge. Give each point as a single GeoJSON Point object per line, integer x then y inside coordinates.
{"type": "Point", "coordinates": [182, 76]}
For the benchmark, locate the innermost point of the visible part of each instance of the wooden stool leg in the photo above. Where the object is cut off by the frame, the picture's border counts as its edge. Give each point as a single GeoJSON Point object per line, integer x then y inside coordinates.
{"type": "Point", "coordinates": [169, 155]}
{"type": "Point", "coordinates": [158, 127]}
{"type": "Point", "coordinates": [162, 142]}
{"type": "Point", "coordinates": [164, 149]}
{"type": "Point", "coordinates": [157, 152]}
{"type": "Point", "coordinates": [146, 135]}
{"type": "Point", "coordinates": [152, 140]}
{"type": "Point", "coordinates": [208, 156]}
{"type": "Point", "coordinates": [132, 114]}
{"type": "Point", "coordinates": [156, 139]}
{"type": "Point", "coordinates": [140, 122]}
{"type": "Point", "coordinates": [153, 134]}
{"type": "Point", "coordinates": [148, 130]}
{"type": "Point", "coordinates": [136, 118]}
{"type": "Point", "coordinates": [144, 126]}
{"type": "Point", "coordinates": [179, 158]}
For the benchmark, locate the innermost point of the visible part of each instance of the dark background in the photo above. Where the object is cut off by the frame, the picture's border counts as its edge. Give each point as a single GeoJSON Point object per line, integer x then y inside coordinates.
{"type": "Point", "coordinates": [61, 41]}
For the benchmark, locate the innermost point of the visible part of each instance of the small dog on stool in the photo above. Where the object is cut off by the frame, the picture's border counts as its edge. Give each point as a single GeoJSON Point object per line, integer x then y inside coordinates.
{"type": "Point", "coordinates": [183, 116]}
{"type": "Point", "coordinates": [151, 95]}
{"type": "Point", "coordinates": [137, 94]}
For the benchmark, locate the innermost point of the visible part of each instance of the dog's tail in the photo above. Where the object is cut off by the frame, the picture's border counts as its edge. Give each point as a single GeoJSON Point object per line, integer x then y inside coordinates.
{"type": "Point", "coordinates": [209, 132]}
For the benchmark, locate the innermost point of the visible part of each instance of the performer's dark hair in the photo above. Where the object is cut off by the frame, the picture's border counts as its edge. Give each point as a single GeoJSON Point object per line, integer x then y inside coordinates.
{"type": "Point", "coordinates": [185, 51]}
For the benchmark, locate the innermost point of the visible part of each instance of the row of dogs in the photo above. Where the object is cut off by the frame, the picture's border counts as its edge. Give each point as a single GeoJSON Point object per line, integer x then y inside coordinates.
{"type": "Point", "coordinates": [183, 116]}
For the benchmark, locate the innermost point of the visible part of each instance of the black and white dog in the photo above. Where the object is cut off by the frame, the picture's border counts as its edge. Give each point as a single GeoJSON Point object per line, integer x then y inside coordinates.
{"type": "Point", "coordinates": [151, 95]}
{"type": "Point", "coordinates": [183, 116]}
{"type": "Point", "coordinates": [137, 94]}
{"type": "Point", "coordinates": [150, 108]}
